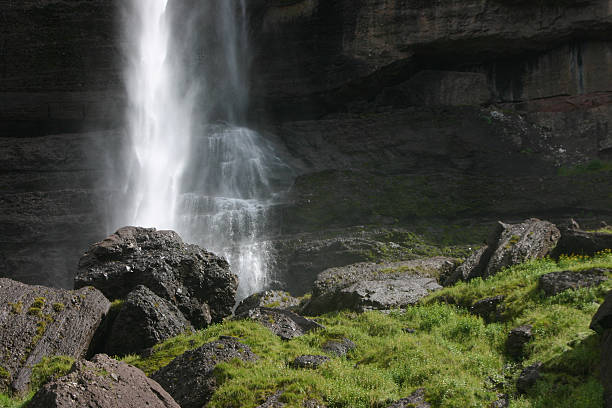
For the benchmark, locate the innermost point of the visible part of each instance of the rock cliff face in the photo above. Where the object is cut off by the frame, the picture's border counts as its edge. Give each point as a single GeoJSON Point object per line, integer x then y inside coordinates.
{"type": "Point", "coordinates": [396, 112]}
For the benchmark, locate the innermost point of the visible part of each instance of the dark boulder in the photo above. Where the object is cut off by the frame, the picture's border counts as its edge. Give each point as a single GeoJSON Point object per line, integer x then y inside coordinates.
{"type": "Point", "coordinates": [489, 309]}
{"type": "Point", "coordinates": [190, 378]}
{"type": "Point", "coordinates": [602, 323]}
{"type": "Point", "coordinates": [103, 383]}
{"type": "Point", "coordinates": [517, 339]}
{"type": "Point", "coordinates": [198, 282]}
{"type": "Point", "coordinates": [605, 367]}
{"type": "Point", "coordinates": [143, 321]}
{"type": "Point", "coordinates": [367, 286]}
{"type": "Point", "coordinates": [309, 361]}
{"type": "Point", "coordinates": [528, 377]}
{"type": "Point", "coordinates": [579, 242]}
{"type": "Point", "coordinates": [338, 347]}
{"type": "Point", "coordinates": [274, 299]}
{"type": "Point", "coordinates": [602, 320]}
{"type": "Point", "coordinates": [414, 400]}
{"type": "Point", "coordinates": [507, 245]}
{"type": "Point", "coordinates": [556, 282]}
{"type": "Point", "coordinates": [285, 324]}
{"type": "Point", "coordinates": [470, 268]}
{"type": "Point", "coordinates": [36, 321]}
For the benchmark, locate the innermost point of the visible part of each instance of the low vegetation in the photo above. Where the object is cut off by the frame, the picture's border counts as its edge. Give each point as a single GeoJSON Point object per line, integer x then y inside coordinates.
{"type": "Point", "coordinates": [457, 357]}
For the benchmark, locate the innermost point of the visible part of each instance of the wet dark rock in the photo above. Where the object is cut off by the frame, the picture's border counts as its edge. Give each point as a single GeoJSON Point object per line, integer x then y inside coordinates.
{"type": "Point", "coordinates": [367, 286]}
{"type": "Point", "coordinates": [274, 299]}
{"type": "Point", "coordinates": [517, 339]}
{"type": "Point", "coordinates": [338, 347]}
{"type": "Point", "coordinates": [38, 322]}
{"type": "Point", "coordinates": [198, 282]}
{"type": "Point", "coordinates": [103, 383]}
{"type": "Point", "coordinates": [575, 241]}
{"type": "Point", "coordinates": [415, 400]}
{"type": "Point", "coordinates": [602, 320]}
{"type": "Point", "coordinates": [189, 378]}
{"type": "Point", "coordinates": [489, 308]}
{"type": "Point", "coordinates": [556, 282]}
{"type": "Point", "coordinates": [529, 376]}
{"type": "Point", "coordinates": [285, 324]}
{"type": "Point", "coordinates": [144, 320]}
{"type": "Point", "coordinates": [309, 361]}
{"type": "Point", "coordinates": [507, 245]}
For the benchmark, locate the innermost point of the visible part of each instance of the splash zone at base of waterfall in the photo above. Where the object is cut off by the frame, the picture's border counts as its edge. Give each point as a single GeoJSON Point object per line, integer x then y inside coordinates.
{"type": "Point", "coordinates": [214, 183]}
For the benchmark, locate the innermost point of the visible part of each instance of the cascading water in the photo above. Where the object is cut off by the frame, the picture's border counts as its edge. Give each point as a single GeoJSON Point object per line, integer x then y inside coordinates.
{"type": "Point", "coordinates": [213, 182]}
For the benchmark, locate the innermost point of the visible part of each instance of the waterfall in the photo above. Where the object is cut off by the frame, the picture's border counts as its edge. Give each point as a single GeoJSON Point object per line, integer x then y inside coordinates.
{"type": "Point", "coordinates": [195, 166]}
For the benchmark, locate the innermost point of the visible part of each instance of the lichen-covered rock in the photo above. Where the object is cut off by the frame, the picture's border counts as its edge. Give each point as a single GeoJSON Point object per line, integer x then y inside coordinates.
{"type": "Point", "coordinates": [366, 286]}
{"type": "Point", "coordinates": [507, 245]}
{"type": "Point", "coordinates": [338, 347]}
{"type": "Point", "coordinates": [274, 299]}
{"type": "Point", "coordinates": [469, 269]}
{"type": "Point", "coordinates": [198, 282]}
{"type": "Point", "coordinates": [273, 401]}
{"type": "Point", "coordinates": [309, 361]}
{"type": "Point", "coordinates": [556, 282]}
{"type": "Point", "coordinates": [103, 383]}
{"type": "Point", "coordinates": [285, 324]}
{"type": "Point", "coordinates": [143, 321]}
{"type": "Point", "coordinates": [190, 379]}
{"type": "Point", "coordinates": [414, 400]}
{"type": "Point", "coordinates": [36, 322]}
{"type": "Point", "coordinates": [517, 243]}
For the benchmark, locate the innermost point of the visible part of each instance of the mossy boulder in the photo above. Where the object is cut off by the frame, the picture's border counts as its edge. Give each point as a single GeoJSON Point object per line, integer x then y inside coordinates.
{"type": "Point", "coordinates": [196, 281]}
{"type": "Point", "coordinates": [366, 286]}
{"type": "Point", "coordinates": [33, 326]}
{"type": "Point", "coordinates": [104, 383]}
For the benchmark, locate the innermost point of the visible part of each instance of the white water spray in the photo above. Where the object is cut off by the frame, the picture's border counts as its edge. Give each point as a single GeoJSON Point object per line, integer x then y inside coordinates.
{"type": "Point", "coordinates": [210, 182]}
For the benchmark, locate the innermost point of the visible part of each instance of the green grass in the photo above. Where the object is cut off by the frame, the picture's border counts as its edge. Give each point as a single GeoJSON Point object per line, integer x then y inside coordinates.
{"type": "Point", "coordinates": [593, 166]}
{"type": "Point", "coordinates": [458, 358]}
{"type": "Point", "coordinates": [47, 370]}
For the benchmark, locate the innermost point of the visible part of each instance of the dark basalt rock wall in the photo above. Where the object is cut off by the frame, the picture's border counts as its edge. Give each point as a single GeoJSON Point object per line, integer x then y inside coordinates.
{"type": "Point", "coordinates": [394, 110]}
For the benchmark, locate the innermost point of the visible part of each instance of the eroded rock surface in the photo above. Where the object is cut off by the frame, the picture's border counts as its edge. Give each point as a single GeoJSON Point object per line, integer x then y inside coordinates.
{"type": "Point", "coordinates": [309, 361]}
{"type": "Point", "coordinates": [37, 322]}
{"type": "Point", "coordinates": [339, 347]}
{"type": "Point", "coordinates": [556, 282]}
{"type": "Point", "coordinates": [103, 383]}
{"type": "Point", "coordinates": [274, 299]}
{"type": "Point", "coordinates": [198, 282]}
{"type": "Point", "coordinates": [376, 286]}
{"type": "Point", "coordinates": [507, 245]}
{"type": "Point", "coordinates": [189, 378]}
{"type": "Point", "coordinates": [285, 324]}
{"type": "Point", "coordinates": [415, 400]}
{"type": "Point", "coordinates": [579, 242]}
{"type": "Point", "coordinates": [143, 321]}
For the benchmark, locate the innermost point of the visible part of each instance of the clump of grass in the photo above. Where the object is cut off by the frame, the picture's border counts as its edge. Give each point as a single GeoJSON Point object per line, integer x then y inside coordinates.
{"type": "Point", "coordinates": [50, 369]}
